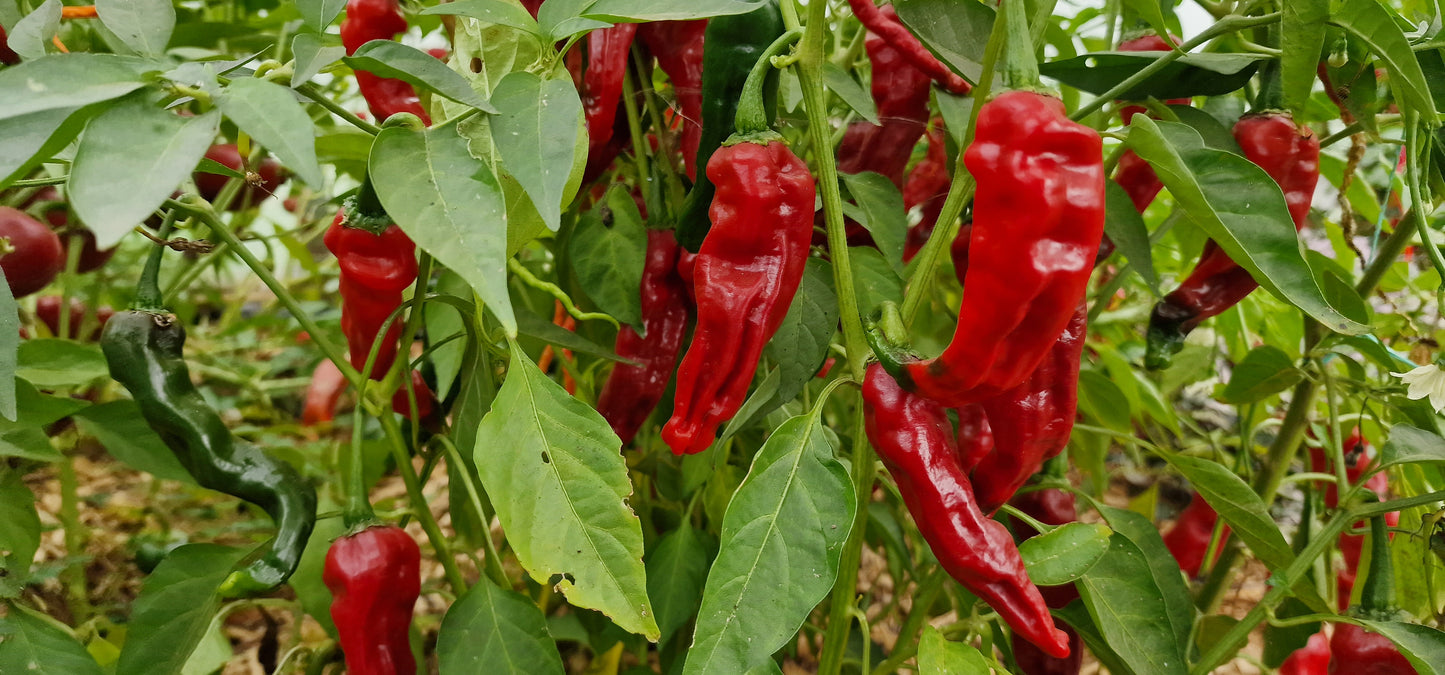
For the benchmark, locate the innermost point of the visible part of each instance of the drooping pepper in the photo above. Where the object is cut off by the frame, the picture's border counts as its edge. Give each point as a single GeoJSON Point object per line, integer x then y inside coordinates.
{"type": "Point", "coordinates": [1038, 216]}
{"type": "Point", "coordinates": [678, 46]}
{"type": "Point", "coordinates": [915, 441]}
{"type": "Point", "coordinates": [900, 93]}
{"type": "Point", "coordinates": [1358, 462]}
{"type": "Point", "coordinates": [747, 270]}
{"type": "Point", "coordinates": [1189, 539]}
{"type": "Point", "coordinates": [368, 20]}
{"type": "Point", "coordinates": [731, 45]}
{"type": "Point", "coordinates": [607, 52]}
{"type": "Point", "coordinates": [32, 256]}
{"type": "Point", "coordinates": [1050, 506]}
{"type": "Point", "coordinates": [322, 394]}
{"type": "Point", "coordinates": [631, 392]}
{"type": "Point", "coordinates": [1311, 659]}
{"type": "Point", "coordinates": [884, 22]}
{"type": "Point", "coordinates": [144, 350]}
{"type": "Point", "coordinates": [1354, 649]}
{"type": "Point", "coordinates": [926, 188]}
{"type": "Point", "coordinates": [1290, 154]}
{"type": "Point", "coordinates": [375, 578]}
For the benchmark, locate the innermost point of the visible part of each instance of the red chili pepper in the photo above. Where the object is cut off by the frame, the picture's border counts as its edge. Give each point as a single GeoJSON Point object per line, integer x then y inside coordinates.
{"type": "Point", "coordinates": [926, 188]}
{"type": "Point", "coordinates": [1189, 540]}
{"type": "Point", "coordinates": [57, 214]}
{"type": "Point", "coordinates": [8, 56]}
{"type": "Point", "coordinates": [975, 436]}
{"type": "Point", "coordinates": [1355, 651]}
{"type": "Point", "coordinates": [884, 21]}
{"type": "Point", "coordinates": [1050, 506]}
{"type": "Point", "coordinates": [368, 20]}
{"type": "Point", "coordinates": [47, 309]}
{"type": "Point", "coordinates": [375, 578]}
{"type": "Point", "coordinates": [322, 394]}
{"type": "Point", "coordinates": [1038, 215]}
{"type": "Point", "coordinates": [607, 52]}
{"type": "Point", "coordinates": [1311, 659]}
{"type": "Point", "coordinates": [915, 441]}
{"type": "Point", "coordinates": [678, 46]}
{"type": "Point", "coordinates": [268, 174]}
{"type": "Point", "coordinates": [900, 92]}
{"type": "Point", "coordinates": [1290, 154]}
{"type": "Point", "coordinates": [34, 256]}
{"type": "Point", "coordinates": [631, 392]}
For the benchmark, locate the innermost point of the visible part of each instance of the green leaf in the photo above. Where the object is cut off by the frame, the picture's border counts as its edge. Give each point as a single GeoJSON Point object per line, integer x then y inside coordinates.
{"type": "Point", "coordinates": [801, 344]}
{"type": "Point", "coordinates": [449, 203]}
{"type": "Point", "coordinates": [1065, 553]}
{"type": "Point", "coordinates": [9, 349]}
{"type": "Point", "coordinates": [676, 571]}
{"type": "Point", "coordinates": [1162, 570]}
{"type": "Point", "coordinates": [1150, 12]}
{"type": "Point", "coordinates": [781, 539]}
{"type": "Point", "coordinates": [494, 630]}
{"type": "Point", "coordinates": [35, 644]}
{"type": "Point", "coordinates": [1128, 607]}
{"type": "Point", "coordinates": [849, 91]}
{"type": "Point", "coordinates": [552, 468]}
{"type": "Point", "coordinates": [1281, 641]}
{"type": "Point", "coordinates": [1301, 38]}
{"type": "Point", "coordinates": [130, 160]}
{"type": "Point", "coordinates": [28, 140]}
{"type": "Point", "coordinates": [1104, 401]}
{"type": "Point", "coordinates": [608, 251]}
{"type": "Point", "coordinates": [318, 14]}
{"type": "Point", "coordinates": [314, 51]}
{"type": "Point", "coordinates": [68, 81]}
{"type": "Point", "coordinates": [19, 534]}
{"type": "Point", "coordinates": [938, 656]}
{"type": "Point", "coordinates": [883, 213]}
{"type": "Point", "coordinates": [874, 280]}
{"type": "Point", "coordinates": [443, 320]}
{"type": "Point", "coordinates": [1409, 445]}
{"type": "Point", "coordinates": [119, 427]}
{"type": "Point", "coordinates": [1423, 646]}
{"type": "Point", "coordinates": [1126, 228]}
{"type": "Point", "coordinates": [143, 25]}
{"type": "Point", "coordinates": [652, 10]}
{"type": "Point", "coordinates": [956, 32]}
{"type": "Point", "coordinates": [535, 136]}
{"type": "Point", "coordinates": [389, 58]}
{"type": "Point", "coordinates": [52, 363]}
{"type": "Point", "coordinates": [1242, 209]}
{"type": "Point", "coordinates": [1209, 128]}
{"type": "Point", "coordinates": [270, 113]}
{"type": "Point", "coordinates": [31, 35]}
{"type": "Point", "coordinates": [175, 608]}
{"type": "Point", "coordinates": [1190, 75]}
{"type": "Point", "coordinates": [1263, 372]}
{"type": "Point", "coordinates": [1370, 21]}
{"type": "Point", "coordinates": [1077, 616]}
{"type": "Point", "coordinates": [543, 329]}
{"type": "Point", "coordinates": [490, 11]}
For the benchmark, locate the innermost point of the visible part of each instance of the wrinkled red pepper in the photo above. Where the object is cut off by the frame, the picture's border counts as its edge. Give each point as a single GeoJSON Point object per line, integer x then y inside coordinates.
{"type": "Point", "coordinates": [884, 21]}
{"type": "Point", "coordinates": [631, 392]}
{"type": "Point", "coordinates": [607, 52]}
{"type": "Point", "coordinates": [368, 20]}
{"type": "Point", "coordinates": [915, 441]}
{"type": "Point", "coordinates": [900, 93]}
{"type": "Point", "coordinates": [1050, 506]}
{"type": "Point", "coordinates": [678, 46]}
{"type": "Point", "coordinates": [926, 188]}
{"type": "Point", "coordinates": [975, 436]}
{"type": "Point", "coordinates": [1189, 540]}
{"type": "Point", "coordinates": [375, 578]}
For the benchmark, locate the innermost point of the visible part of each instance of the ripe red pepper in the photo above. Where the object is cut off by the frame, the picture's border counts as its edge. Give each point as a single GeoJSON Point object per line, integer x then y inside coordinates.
{"type": "Point", "coordinates": [915, 441]}
{"type": "Point", "coordinates": [1311, 659]}
{"type": "Point", "coordinates": [268, 175]}
{"type": "Point", "coordinates": [631, 392]}
{"type": "Point", "coordinates": [678, 46]}
{"type": "Point", "coordinates": [1189, 540]}
{"type": "Point", "coordinates": [975, 436]}
{"type": "Point", "coordinates": [8, 56]}
{"type": "Point", "coordinates": [884, 21]}
{"type": "Point", "coordinates": [1038, 216]}
{"type": "Point", "coordinates": [375, 578]}
{"type": "Point", "coordinates": [900, 92]}
{"type": "Point", "coordinates": [1290, 154]}
{"type": "Point", "coordinates": [47, 309]}
{"type": "Point", "coordinates": [56, 213]}
{"type": "Point", "coordinates": [322, 394]}
{"type": "Point", "coordinates": [1050, 506]}
{"type": "Point", "coordinates": [1356, 651]}
{"type": "Point", "coordinates": [368, 20]}
{"type": "Point", "coordinates": [607, 52]}
{"type": "Point", "coordinates": [926, 188]}
{"type": "Point", "coordinates": [30, 254]}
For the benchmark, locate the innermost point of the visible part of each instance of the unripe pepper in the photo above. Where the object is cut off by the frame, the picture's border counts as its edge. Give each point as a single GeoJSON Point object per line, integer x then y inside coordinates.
{"type": "Point", "coordinates": [1358, 461]}
{"type": "Point", "coordinates": [1038, 216]}
{"type": "Point", "coordinates": [884, 22]}
{"type": "Point", "coordinates": [631, 392]}
{"type": "Point", "coordinates": [1189, 539]}
{"type": "Point", "coordinates": [368, 20]}
{"type": "Point", "coordinates": [915, 441]}
{"type": "Point", "coordinates": [1050, 506]}
{"type": "Point", "coordinates": [900, 93]}
{"type": "Point", "coordinates": [375, 578]}
{"type": "Point", "coordinates": [30, 254]}
{"type": "Point", "coordinates": [1353, 649]}
{"type": "Point", "coordinates": [269, 177]}
{"type": "Point", "coordinates": [1290, 154]}
{"type": "Point", "coordinates": [678, 46]}
{"type": "Point", "coordinates": [1311, 659]}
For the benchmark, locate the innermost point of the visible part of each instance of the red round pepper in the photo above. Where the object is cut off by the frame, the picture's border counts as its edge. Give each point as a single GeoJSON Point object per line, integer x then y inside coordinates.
{"type": "Point", "coordinates": [1356, 651]}
{"type": "Point", "coordinates": [368, 20]}
{"type": "Point", "coordinates": [31, 256]}
{"type": "Point", "coordinates": [375, 578]}
{"type": "Point", "coordinates": [1311, 659]}
{"type": "Point", "coordinates": [884, 21]}
{"type": "Point", "coordinates": [268, 172]}
{"type": "Point", "coordinates": [57, 214]}
{"type": "Point", "coordinates": [678, 46]}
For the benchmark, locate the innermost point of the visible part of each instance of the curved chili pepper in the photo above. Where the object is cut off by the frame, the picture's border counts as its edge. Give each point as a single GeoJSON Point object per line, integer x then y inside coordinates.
{"type": "Point", "coordinates": [884, 21]}
{"type": "Point", "coordinates": [915, 441]}
{"type": "Point", "coordinates": [1050, 506]}
{"type": "Point", "coordinates": [375, 578]}
{"type": "Point", "coordinates": [1290, 154]}
{"type": "Point", "coordinates": [607, 52]}
{"type": "Point", "coordinates": [322, 394]}
{"type": "Point", "coordinates": [368, 20]}
{"type": "Point", "coordinates": [926, 188]}
{"type": "Point", "coordinates": [1311, 659]}
{"type": "Point", "coordinates": [1189, 540]}
{"type": "Point", "coordinates": [631, 392]}
{"type": "Point", "coordinates": [679, 46]}
{"type": "Point", "coordinates": [900, 92]}
{"type": "Point", "coordinates": [1038, 216]}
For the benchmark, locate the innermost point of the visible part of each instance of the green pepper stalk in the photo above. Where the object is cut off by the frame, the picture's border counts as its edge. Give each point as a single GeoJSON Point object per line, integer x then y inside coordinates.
{"type": "Point", "coordinates": [144, 349]}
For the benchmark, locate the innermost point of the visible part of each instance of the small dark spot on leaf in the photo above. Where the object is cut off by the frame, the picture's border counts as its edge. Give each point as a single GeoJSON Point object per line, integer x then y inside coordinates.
{"type": "Point", "coordinates": [476, 64]}
{"type": "Point", "coordinates": [546, 459]}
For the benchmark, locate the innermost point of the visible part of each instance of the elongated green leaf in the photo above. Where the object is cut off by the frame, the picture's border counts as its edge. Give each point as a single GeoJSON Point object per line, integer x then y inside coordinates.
{"type": "Point", "coordinates": [491, 630]}
{"type": "Point", "coordinates": [313, 52]}
{"type": "Point", "coordinates": [19, 533]}
{"type": "Point", "coordinates": [389, 58]}
{"type": "Point", "coordinates": [497, 12]}
{"type": "Point", "coordinates": [938, 656]}
{"type": "Point", "coordinates": [1126, 229]}
{"type": "Point", "coordinates": [143, 25]}
{"type": "Point", "coordinates": [956, 32]}
{"type": "Point", "coordinates": [271, 114]}
{"type": "Point", "coordinates": [883, 213]}
{"type": "Point", "coordinates": [32, 34]}
{"type": "Point", "coordinates": [552, 468]}
{"type": "Point", "coordinates": [535, 135]}
{"type": "Point", "coordinates": [849, 91]}
{"type": "Point", "coordinates": [1372, 22]}
{"type": "Point", "coordinates": [130, 160]}
{"type": "Point", "coordinates": [651, 10]}
{"type": "Point", "coordinates": [609, 247]}
{"type": "Point", "coordinates": [1162, 570]}
{"type": "Point", "coordinates": [67, 81]}
{"type": "Point", "coordinates": [1422, 645]}
{"type": "Point", "coordinates": [1301, 38]}
{"type": "Point", "coordinates": [676, 571]}
{"type": "Point", "coordinates": [449, 203]}
{"type": "Point", "coordinates": [1130, 611]}
{"type": "Point", "coordinates": [1263, 372]}
{"type": "Point", "coordinates": [1242, 209]}
{"type": "Point", "coordinates": [124, 434]}
{"type": "Point", "coordinates": [801, 344]}
{"type": "Point", "coordinates": [175, 608]}
{"type": "Point", "coordinates": [1190, 75]}
{"type": "Point", "coordinates": [781, 540]}
{"type": "Point", "coordinates": [1064, 554]}
{"type": "Point", "coordinates": [1077, 616]}
{"type": "Point", "coordinates": [52, 362]}
{"type": "Point", "coordinates": [28, 140]}
{"type": "Point", "coordinates": [318, 14]}
{"type": "Point", "coordinates": [1409, 445]}
{"type": "Point", "coordinates": [36, 644]}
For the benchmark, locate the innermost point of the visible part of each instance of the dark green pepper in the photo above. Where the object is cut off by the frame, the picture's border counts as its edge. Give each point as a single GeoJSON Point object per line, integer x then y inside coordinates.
{"type": "Point", "coordinates": [143, 348]}
{"type": "Point", "coordinates": [731, 46]}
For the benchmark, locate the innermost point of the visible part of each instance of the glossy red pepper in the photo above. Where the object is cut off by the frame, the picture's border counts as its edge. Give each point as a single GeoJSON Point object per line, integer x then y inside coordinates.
{"type": "Point", "coordinates": [975, 436]}
{"type": "Point", "coordinates": [368, 20]}
{"type": "Point", "coordinates": [268, 175]}
{"type": "Point", "coordinates": [915, 441]}
{"type": "Point", "coordinates": [631, 392]}
{"type": "Point", "coordinates": [375, 578]}
{"type": "Point", "coordinates": [322, 394]}
{"type": "Point", "coordinates": [47, 309]}
{"type": "Point", "coordinates": [745, 275]}
{"type": "Point", "coordinates": [1189, 540]}
{"type": "Point", "coordinates": [30, 254]}
{"type": "Point", "coordinates": [926, 188]}
{"type": "Point", "coordinates": [900, 93]}
{"type": "Point", "coordinates": [1356, 651]}
{"type": "Point", "coordinates": [1050, 506]}
{"type": "Point", "coordinates": [1290, 154]}
{"type": "Point", "coordinates": [678, 46]}
{"type": "Point", "coordinates": [1038, 216]}
{"type": "Point", "coordinates": [1311, 659]}
{"type": "Point", "coordinates": [884, 21]}
{"type": "Point", "coordinates": [8, 56]}
{"type": "Point", "coordinates": [607, 52]}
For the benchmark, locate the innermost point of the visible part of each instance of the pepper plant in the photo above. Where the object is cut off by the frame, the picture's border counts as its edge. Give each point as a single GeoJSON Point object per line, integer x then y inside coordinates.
{"type": "Point", "coordinates": [721, 336]}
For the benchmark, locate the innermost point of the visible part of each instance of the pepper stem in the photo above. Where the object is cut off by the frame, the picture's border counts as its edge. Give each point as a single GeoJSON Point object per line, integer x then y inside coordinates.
{"type": "Point", "coordinates": [1021, 68]}
{"type": "Point", "coordinates": [148, 295]}
{"type": "Point", "coordinates": [1379, 591]}
{"type": "Point", "coordinates": [752, 118]}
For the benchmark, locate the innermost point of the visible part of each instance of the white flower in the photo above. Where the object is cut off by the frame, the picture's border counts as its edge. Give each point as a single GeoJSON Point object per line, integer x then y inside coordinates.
{"type": "Point", "coordinates": [1426, 381]}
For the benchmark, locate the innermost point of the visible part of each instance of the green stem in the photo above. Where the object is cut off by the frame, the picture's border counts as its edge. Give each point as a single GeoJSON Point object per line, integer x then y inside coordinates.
{"type": "Point", "coordinates": [148, 289]}
{"type": "Point", "coordinates": [493, 561]}
{"type": "Point", "coordinates": [841, 606]}
{"type": "Point", "coordinates": [310, 91]}
{"type": "Point", "coordinates": [1021, 69]}
{"type": "Point", "coordinates": [75, 534]}
{"type": "Point", "coordinates": [419, 505]}
{"type": "Point", "coordinates": [752, 116]}
{"type": "Point", "coordinates": [556, 291]}
{"type": "Point", "coordinates": [907, 644]}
